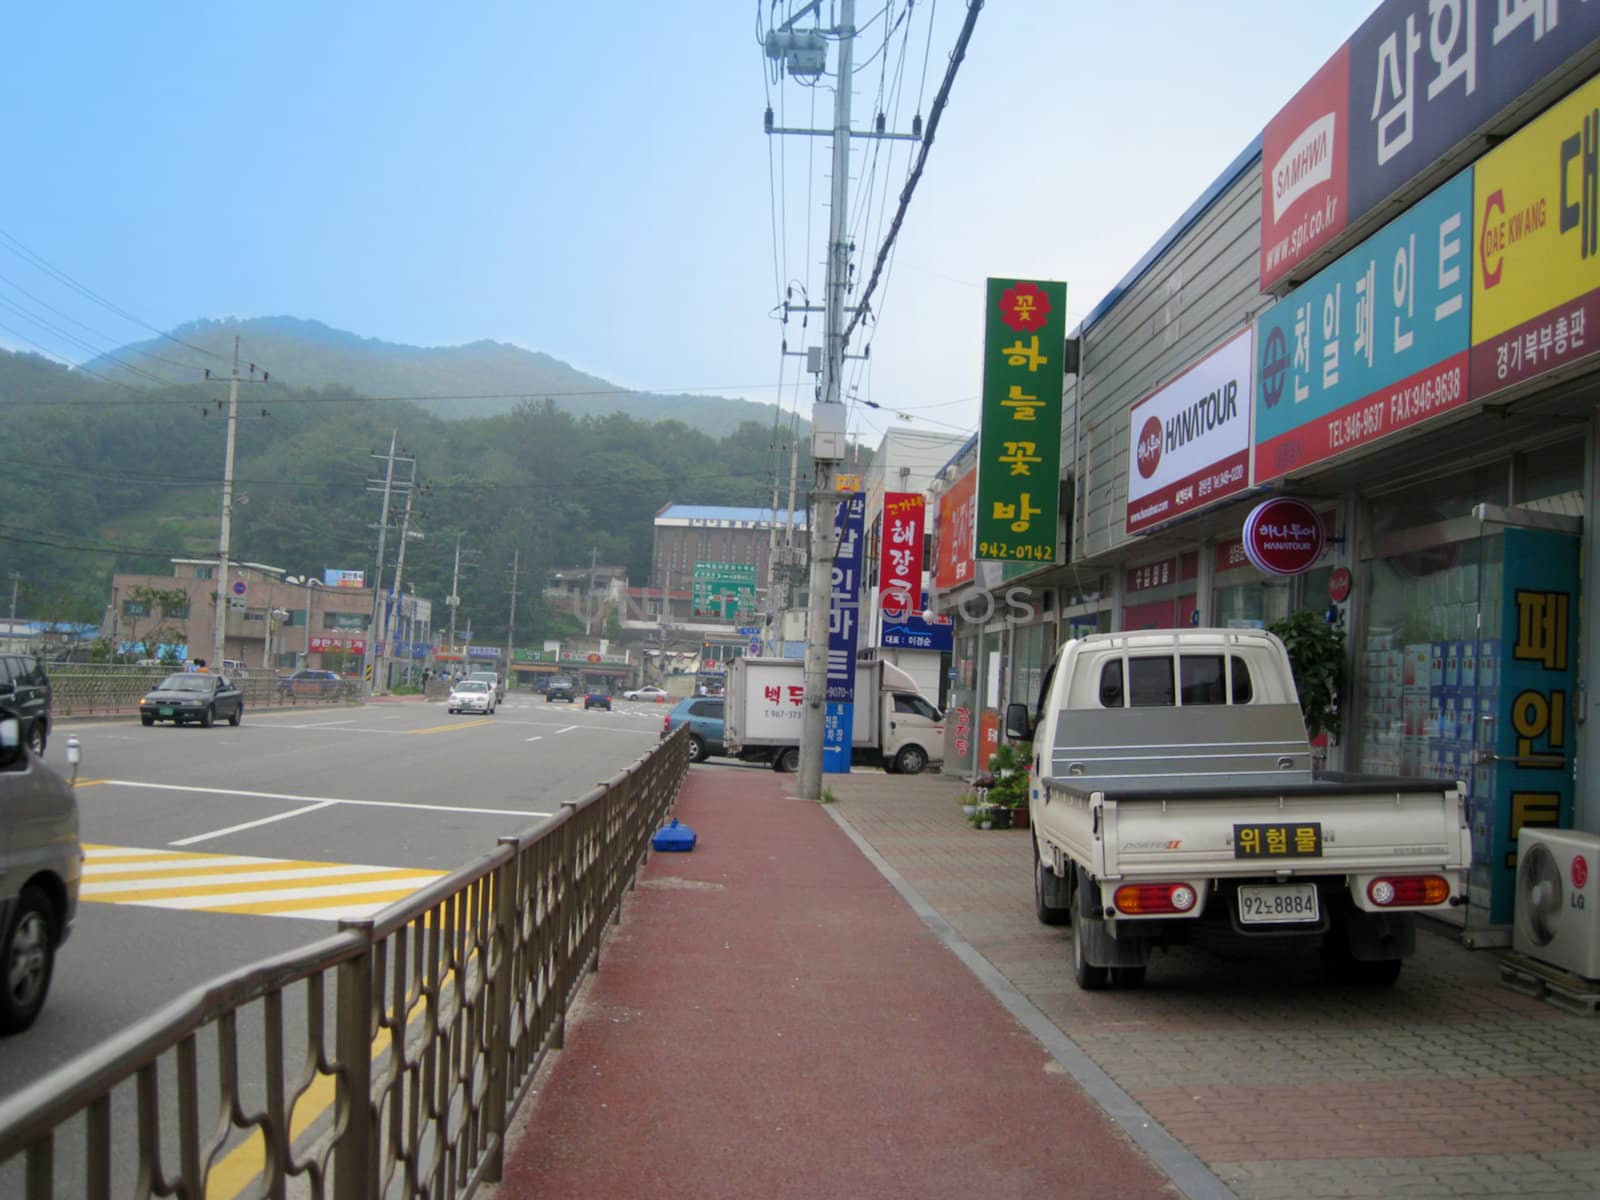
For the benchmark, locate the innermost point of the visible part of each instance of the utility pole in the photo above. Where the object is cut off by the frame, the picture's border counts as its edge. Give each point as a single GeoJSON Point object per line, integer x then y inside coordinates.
{"type": "Point", "coordinates": [16, 582]}
{"type": "Point", "coordinates": [375, 629]}
{"type": "Point", "coordinates": [511, 622]}
{"type": "Point", "coordinates": [381, 672]}
{"type": "Point", "coordinates": [588, 604]}
{"type": "Point", "coordinates": [220, 634]}
{"type": "Point", "coordinates": [454, 598]}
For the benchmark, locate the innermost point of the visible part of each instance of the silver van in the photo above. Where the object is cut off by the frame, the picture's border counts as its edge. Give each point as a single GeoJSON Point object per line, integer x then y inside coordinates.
{"type": "Point", "coordinates": [41, 864]}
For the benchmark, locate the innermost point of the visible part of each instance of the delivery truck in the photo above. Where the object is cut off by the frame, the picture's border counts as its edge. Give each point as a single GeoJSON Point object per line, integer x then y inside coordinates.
{"type": "Point", "coordinates": [894, 725]}
{"type": "Point", "coordinates": [1172, 799]}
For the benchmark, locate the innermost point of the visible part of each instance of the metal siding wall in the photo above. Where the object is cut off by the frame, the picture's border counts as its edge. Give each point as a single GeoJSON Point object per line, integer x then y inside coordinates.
{"type": "Point", "coordinates": [1206, 287]}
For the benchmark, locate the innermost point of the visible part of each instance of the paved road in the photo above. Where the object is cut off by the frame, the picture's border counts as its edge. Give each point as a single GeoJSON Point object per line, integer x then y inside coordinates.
{"type": "Point", "coordinates": [357, 805]}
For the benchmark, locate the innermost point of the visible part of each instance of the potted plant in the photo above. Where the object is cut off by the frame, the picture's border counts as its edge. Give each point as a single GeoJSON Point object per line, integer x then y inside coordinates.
{"type": "Point", "coordinates": [969, 802]}
{"type": "Point", "coordinates": [1316, 657]}
{"type": "Point", "coordinates": [1010, 763]}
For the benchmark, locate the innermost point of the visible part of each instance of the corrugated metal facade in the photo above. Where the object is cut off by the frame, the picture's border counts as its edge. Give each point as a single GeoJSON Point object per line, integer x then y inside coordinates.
{"type": "Point", "coordinates": [1200, 291]}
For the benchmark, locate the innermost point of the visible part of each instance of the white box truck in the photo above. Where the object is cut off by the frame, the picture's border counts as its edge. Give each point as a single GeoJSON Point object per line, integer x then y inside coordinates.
{"type": "Point", "coordinates": [895, 725]}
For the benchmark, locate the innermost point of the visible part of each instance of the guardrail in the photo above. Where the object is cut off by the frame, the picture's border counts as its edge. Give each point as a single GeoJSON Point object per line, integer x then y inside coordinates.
{"type": "Point", "coordinates": [79, 691]}
{"type": "Point", "coordinates": [441, 1008]}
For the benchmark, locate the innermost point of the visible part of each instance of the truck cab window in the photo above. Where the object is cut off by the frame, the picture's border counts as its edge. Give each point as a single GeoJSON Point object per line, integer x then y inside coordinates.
{"type": "Point", "coordinates": [1242, 691]}
{"type": "Point", "coordinates": [1200, 676]}
{"type": "Point", "coordinates": [1111, 684]}
{"type": "Point", "coordinates": [914, 705]}
{"type": "Point", "coordinates": [1150, 682]}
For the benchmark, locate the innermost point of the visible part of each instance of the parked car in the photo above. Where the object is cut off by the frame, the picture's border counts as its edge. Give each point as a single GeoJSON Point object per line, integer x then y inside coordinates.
{"type": "Point", "coordinates": [41, 863]}
{"type": "Point", "coordinates": [704, 716]}
{"type": "Point", "coordinates": [494, 681]}
{"type": "Point", "coordinates": [646, 693]}
{"type": "Point", "coordinates": [597, 700]}
{"type": "Point", "coordinates": [472, 695]}
{"type": "Point", "coordinates": [25, 691]}
{"type": "Point", "coordinates": [193, 696]}
{"type": "Point", "coordinates": [561, 687]}
{"type": "Point", "coordinates": [309, 683]}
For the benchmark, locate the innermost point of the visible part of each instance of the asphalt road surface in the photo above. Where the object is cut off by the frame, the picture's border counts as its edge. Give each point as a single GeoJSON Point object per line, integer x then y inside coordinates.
{"type": "Point", "coordinates": [352, 807]}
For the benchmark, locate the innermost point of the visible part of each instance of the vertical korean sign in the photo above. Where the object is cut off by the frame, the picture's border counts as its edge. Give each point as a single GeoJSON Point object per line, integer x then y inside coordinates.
{"type": "Point", "coordinates": [900, 569]}
{"type": "Point", "coordinates": [1533, 699]}
{"type": "Point", "coordinates": [1019, 455]}
{"type": "Point", "coordinates": [844, 612]}
{"type": "Point", "coordinates": [954, 562]}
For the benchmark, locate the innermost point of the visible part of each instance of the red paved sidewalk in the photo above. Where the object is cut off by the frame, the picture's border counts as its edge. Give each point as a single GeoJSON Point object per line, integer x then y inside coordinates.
{"type": "Point", "coordinates": [771, 1020]}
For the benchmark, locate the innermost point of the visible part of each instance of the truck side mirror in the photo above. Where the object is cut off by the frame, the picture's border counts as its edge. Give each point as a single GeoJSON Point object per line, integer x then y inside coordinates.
{"type": "Point", "coordinates": [1018, 727]}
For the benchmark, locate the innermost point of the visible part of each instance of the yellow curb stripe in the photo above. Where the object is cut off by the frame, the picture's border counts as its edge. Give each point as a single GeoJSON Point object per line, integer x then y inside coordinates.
{"type": "Point", "coordinates": [279, 907]}
{"type": "Point", "coordinates": [324, 884]}
{"type": "Point", "coordinates": [452, 727]}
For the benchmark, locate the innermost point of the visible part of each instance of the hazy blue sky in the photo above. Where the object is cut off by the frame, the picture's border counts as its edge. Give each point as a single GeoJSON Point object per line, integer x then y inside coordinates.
{"type": "Point", "coordinates": [592, 180]}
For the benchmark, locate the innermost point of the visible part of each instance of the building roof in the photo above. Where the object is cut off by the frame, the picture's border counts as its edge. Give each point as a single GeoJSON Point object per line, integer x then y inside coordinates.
{"type": "Point", "coordinates": [676, 513]}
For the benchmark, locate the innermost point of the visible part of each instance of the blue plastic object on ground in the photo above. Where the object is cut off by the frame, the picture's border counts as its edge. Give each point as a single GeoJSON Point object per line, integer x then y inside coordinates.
{"type": "Point", "coordinates": [673, 837]}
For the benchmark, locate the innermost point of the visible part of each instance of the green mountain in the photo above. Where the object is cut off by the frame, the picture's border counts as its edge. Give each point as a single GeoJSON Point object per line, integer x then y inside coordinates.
{"type": "Point", "coordinates": [481, 379]}
{"type": "Point", "coordinates": [99, 477]}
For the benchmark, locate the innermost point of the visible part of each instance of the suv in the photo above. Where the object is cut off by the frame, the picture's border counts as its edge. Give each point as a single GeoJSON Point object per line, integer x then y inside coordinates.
{"type": "Point", "coordinates": [25, 690]}
{"type": "Point", "coordinates": [561, 687]}
{"type": "Point", "coordinates": [41, 864]}
{"type": "Point", "coordinates": [704, 717]}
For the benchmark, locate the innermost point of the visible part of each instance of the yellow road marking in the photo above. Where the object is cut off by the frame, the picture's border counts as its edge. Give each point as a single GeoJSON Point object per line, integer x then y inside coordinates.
{"type": "Point", "coordinates": [88, 782]}
{"type": "Point", "coordinates": [453, 726]}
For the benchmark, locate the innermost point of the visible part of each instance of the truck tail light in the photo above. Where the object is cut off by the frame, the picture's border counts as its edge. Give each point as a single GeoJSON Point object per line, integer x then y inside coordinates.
{"type": "Point", "coordinates": [1148, 899]}
{"type": "Point", "coordinates": [1408, 891]}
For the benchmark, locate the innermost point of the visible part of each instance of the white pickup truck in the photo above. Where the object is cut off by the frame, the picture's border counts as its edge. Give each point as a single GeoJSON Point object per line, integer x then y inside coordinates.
{"type": "Point", "coordinates": [1172, 799]}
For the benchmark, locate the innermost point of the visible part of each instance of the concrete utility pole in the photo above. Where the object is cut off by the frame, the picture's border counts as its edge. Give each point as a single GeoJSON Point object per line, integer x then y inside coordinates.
{"type": "Point", "coordinates": [511, 622]}
{"type": "Point", "coordinates": [828, 426]}
{"type": "Point", "coordinates": [16, 582]}
{"type": "Point", "coordinates": [220, 633]}
{"type": "Point", "coordinates": [454, 598]}
{"type": "Point", "coordinates": [588, 603]}
{"type": "Point", "coordinates": [375, 625]}
{"type": "Point", "coordinates": [392, 610]}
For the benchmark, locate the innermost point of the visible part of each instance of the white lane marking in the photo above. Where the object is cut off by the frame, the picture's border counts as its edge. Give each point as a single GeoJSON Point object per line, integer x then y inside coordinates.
{"type": "Point", "coordinates": [538, 737]}
{"type": "Point", "coordinates": [566, 729]}
{"type": "Point", "coordinates": [283, 816]}
{"type": "Point", "coordinates": [210, 791]}
{"type": "Point", "coordinates": [325, 724]}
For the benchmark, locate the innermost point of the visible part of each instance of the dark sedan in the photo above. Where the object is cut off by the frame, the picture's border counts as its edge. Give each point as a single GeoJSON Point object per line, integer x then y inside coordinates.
{"type": "Point", "coordinates": [193, 696]}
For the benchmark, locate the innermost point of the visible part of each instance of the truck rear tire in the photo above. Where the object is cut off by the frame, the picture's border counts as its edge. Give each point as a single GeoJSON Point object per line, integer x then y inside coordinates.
{"type": "Point", "coordinates": [1047, 888]}
{"type": "Point", "coordinates": [787, 760]}
{"type": "Point", "coordinates": [1090, 978]}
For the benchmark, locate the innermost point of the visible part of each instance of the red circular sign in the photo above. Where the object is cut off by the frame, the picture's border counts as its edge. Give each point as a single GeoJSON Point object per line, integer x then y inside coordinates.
{"type": "Point", "coordinates": [1580, 871]}
{"type": "Point", "coordinates": [1283, 536]}
{"type": "Point", "coordinates": [896, 603]}
{"type": "Point", "coordinates": [1149, 449]}
{"type": "Point", "coordinates": [1339, 585]}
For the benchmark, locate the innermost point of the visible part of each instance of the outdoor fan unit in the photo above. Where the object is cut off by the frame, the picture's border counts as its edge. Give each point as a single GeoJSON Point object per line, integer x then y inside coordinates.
{"type": "Point", "coordinates": [1558, 899]}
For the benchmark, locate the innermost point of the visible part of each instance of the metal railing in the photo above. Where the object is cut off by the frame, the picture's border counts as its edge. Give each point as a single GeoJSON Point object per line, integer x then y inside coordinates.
{"type": "Point", "coordinates": [81, 690]}
{"type": "Point", "coordinates": [441, 1009]}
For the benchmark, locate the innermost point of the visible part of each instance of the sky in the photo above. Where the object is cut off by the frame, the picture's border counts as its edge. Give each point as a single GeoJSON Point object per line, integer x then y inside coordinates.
{"type": "Point", "coordinates": [592, 180]}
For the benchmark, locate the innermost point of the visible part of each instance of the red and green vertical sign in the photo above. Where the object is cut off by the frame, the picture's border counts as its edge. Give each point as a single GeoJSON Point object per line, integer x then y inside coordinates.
{"type": "Point", "coordinates": [1019, 450]}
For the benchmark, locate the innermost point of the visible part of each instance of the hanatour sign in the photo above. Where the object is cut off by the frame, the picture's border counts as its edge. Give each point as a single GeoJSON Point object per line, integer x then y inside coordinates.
{"type": "Point", "coordinates": [1019, 453]}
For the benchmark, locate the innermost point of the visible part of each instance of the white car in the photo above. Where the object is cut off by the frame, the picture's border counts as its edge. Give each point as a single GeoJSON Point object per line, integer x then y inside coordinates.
{"type": "Point", "coordinates": [472, 695]}
{"type": "Point", "coordinates": [646, 693]}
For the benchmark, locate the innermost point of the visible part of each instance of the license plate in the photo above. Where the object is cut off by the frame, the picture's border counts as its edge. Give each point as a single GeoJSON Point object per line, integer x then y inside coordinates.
{"type": "Point", "coordinates": [165, 711]}
{"type": "Point", "coordinates": [1279, 904]}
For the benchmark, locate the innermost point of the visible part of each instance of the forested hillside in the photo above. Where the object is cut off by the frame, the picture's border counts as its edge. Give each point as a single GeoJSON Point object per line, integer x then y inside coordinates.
{"type": "Point", "coordinates": [477, 380]}
{"type": "Point", "coordinates": [96, 477]}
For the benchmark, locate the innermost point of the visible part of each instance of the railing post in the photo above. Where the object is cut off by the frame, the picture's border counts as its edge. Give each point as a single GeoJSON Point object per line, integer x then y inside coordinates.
{"type": "Point", "coordinates": [507, 886]}
{"type": "Point", "coordinates": [355, 1173]}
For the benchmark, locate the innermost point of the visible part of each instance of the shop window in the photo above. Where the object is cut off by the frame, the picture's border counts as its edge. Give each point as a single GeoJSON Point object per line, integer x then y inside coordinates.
{"type": "Point", "coordinates": [1549, 471]}
{"type": "Point", "coordinates": [1440, 499]}
{"type": "Point", "coordinates": [202, 572]}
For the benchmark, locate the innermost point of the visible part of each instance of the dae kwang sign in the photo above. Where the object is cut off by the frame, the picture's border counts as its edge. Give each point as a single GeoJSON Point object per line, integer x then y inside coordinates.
{"type": "Point", "coordinates": [1283, 536]}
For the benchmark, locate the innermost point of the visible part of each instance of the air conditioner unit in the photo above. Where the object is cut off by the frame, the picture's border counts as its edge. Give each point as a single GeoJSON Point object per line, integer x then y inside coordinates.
{"type": "Point", "coordinates": [1557, 917]}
